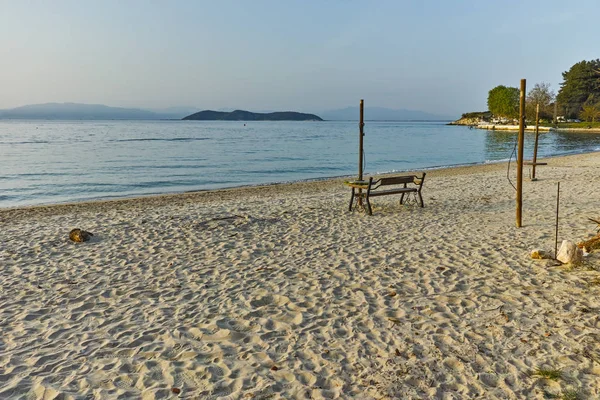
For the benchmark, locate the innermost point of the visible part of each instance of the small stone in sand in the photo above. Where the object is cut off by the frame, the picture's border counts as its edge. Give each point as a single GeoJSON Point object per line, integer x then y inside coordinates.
{"type": "Point", "coordinates": [569, 253]}
{"type": "Point", "coordinates": [79, 235]}
{"type": "Point", "coordinates": [176, 390]}
{"type": "Point", "coordinates": [538, 254]}
{"type": "Point", "coordinates": [553, 263]}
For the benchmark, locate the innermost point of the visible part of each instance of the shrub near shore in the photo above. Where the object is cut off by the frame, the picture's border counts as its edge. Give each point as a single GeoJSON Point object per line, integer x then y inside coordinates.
{"type": "Point", "coordinates": [573, 125]}
{"type": "Point", "coordinates": [472, 118]}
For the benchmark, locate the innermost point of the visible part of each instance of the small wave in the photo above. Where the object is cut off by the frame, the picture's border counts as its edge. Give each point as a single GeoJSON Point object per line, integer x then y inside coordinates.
{"type": "Point", "coordinates": [44, 174]}
{"type": "Point", "coordinates": [428, 168]}
{"type": "Point", "coordinates": [501, 160]}
{"type": "Point", "coordinates": [144, 167]}
{"type": "Point", "coordinates": [276, 159]}
{"type": "Point", "coordinates": [28, 142]}
{"type": "Point", "coordinates": [293, 170]}
{"type": "Point", "coordinates": [190, 182]}
{"type": "Point", "coordinates": [179, 139]}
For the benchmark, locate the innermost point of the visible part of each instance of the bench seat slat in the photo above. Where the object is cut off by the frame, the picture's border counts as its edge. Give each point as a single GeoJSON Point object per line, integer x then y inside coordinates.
{"type": "Point", "coordinates": [391, 191]}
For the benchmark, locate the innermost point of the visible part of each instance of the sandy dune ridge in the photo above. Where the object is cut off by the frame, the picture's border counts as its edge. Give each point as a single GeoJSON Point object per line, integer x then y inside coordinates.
{"type": "Point", "coordinates": [280, 292]}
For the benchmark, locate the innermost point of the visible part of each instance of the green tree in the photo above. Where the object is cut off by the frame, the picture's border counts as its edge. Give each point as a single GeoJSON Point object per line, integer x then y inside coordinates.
{"type": "Point", "coordinates": [544, 96]}
{"type": "Point", "coordinates": [590, 112]}
{"type": "Point", "coordinates": [503, 101]}
{"type": "Point", "coordinates": [580, 86]}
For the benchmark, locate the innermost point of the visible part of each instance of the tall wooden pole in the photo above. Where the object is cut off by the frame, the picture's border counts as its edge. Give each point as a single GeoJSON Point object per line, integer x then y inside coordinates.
{"type": "Point", "coordinates": [520, 153]}
{"type": "Point", "coordinates": [535, 145]}
{"type": "Point", "coordinates": [361, 125]}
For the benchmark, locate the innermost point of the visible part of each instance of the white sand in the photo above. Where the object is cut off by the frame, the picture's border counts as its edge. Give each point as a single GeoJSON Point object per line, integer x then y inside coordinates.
{"type": "Point", "coordinates": [295, 297]}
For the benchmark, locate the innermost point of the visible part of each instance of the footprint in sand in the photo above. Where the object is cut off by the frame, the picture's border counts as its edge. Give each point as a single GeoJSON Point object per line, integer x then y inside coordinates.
{"type": "Point", "coordinates": [267, 300]}
{"type": "Point", "coordinates": [237, 325]}
{"type": "Point", "coordinates": [211, 334]}
{"type": "Point", "coordinates": [306, 378]}
{"type": "Point", "coordinates": [454, 364]}
{"type": "Point", "coordinates": [263, 394]}
{"type": "Point", "coordinates": [221, 392]}
{"type": "Point", "coordinates": [123, 382]}
{"type": "Point", "coordinates": [490, 380]}
{"type": "Point", "coordinates": [217, 372]}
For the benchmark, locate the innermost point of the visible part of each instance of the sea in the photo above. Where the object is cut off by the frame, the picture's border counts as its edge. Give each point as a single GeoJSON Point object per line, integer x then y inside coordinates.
{"type": "Point", "coordinates": [50, 162]}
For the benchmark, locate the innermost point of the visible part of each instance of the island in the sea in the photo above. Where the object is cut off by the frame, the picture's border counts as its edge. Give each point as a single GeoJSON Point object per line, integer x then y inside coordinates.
{"type": "Point", "coordinates": [240, 115]}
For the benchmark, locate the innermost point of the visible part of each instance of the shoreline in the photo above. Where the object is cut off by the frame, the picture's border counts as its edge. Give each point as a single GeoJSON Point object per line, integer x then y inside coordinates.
{"type": "Point", "coordinates": [280, 291]}
{"type": "Point", "coordinates": [493, 127]}
{"type": "Point", "coordinates": [499, 127]}
{"type": "Point", "coordinates": [324, 181]}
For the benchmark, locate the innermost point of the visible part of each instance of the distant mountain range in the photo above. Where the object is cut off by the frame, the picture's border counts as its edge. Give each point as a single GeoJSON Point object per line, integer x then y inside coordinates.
{"type": "Point", "coordinates": [179, 112]}
{"type": "Point", "coordinates": [77, 111]}
{"type": "Point", "coordinates": [240, 115]}
{"type": "Point", "coordinates": [382, 114]}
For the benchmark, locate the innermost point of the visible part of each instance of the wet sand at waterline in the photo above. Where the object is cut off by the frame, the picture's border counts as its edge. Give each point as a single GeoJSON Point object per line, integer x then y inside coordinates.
{"type": "Point", "coordinates": [280, 292]}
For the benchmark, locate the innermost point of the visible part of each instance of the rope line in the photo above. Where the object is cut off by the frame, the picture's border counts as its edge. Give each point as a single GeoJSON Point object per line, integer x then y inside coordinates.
{"type": "Point", "coordinates": [508, 167]}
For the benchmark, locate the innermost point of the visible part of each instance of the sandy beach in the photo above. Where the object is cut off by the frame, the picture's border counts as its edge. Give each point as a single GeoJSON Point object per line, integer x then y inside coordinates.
{"type": "Point", "coordinates": [280, 292]}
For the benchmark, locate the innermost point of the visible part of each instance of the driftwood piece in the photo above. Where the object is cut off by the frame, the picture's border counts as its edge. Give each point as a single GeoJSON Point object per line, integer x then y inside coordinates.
{"type": "Point", "coordinates": [591, 244]}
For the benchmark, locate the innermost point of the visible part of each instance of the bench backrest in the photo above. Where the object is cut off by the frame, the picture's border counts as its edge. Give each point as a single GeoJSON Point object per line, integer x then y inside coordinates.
{"type": "Point", "coordinates": [397, 180]}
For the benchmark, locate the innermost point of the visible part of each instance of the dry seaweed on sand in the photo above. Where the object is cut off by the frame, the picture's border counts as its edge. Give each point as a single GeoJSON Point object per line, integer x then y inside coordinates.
{"type": "Point", "coordinates": [552, 374]}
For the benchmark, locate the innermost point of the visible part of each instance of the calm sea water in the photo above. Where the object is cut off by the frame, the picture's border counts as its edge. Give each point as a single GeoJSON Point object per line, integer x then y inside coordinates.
{"type": "Point", "coordinates": [58, 161]}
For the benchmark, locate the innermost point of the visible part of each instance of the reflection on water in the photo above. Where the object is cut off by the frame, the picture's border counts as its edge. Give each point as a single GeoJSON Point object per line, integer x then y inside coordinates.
{"type": "Point", "coordinates": [500, 144]}
{"type": "Point", "coordinates": [572, 142]}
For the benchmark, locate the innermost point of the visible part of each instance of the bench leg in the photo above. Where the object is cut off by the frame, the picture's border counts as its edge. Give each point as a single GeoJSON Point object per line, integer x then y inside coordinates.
{"type": "Point", "coordinates": [369, 207]}
{"type": "Point", "coordinates": [401, 198]}
{"type": "Point", "coordinates": [351, 200]}
{"type": "Point", "coordinates": [421, 198]}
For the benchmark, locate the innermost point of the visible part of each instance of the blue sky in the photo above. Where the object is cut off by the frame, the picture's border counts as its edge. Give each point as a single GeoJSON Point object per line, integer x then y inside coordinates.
{"type": "Point", "coordinates": [438, 56]}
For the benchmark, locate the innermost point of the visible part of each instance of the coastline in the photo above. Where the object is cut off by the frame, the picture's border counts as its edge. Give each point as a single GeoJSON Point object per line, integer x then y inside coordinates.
{"type": "Point", "coordinates": [443, 170]}
{"type": "Point", "coordinates": [500, 127]}
{"type": "Point", "coordinates": [258, 189]}
{"type": "Point", "coordinates": [279, 291]}
{"type": "Point", "coordinates": [492, 127]}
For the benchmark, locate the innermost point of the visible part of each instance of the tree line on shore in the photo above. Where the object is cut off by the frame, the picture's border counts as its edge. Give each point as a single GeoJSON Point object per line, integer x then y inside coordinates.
{"type": "Point", "coordinates": [578, 97]}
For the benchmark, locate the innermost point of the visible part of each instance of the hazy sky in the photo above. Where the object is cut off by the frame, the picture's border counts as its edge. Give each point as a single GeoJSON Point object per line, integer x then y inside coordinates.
{"type": "Point", "coordinates": [440, 56]}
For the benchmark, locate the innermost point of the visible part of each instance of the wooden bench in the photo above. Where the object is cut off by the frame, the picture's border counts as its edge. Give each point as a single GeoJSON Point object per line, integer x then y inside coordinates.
{"type": "Point", "coordinates": [398, 185]}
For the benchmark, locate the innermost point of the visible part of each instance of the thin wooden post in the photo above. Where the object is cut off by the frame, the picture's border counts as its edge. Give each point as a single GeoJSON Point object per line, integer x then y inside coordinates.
{"type": "Point", "coordinates": [556, 229]}
{"type": "Point", "coordinates": [361, 125]}
{"type": "Point", "coordinates": [535, 145]}
{"type": "Point", "coordinates": [520, 153]}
